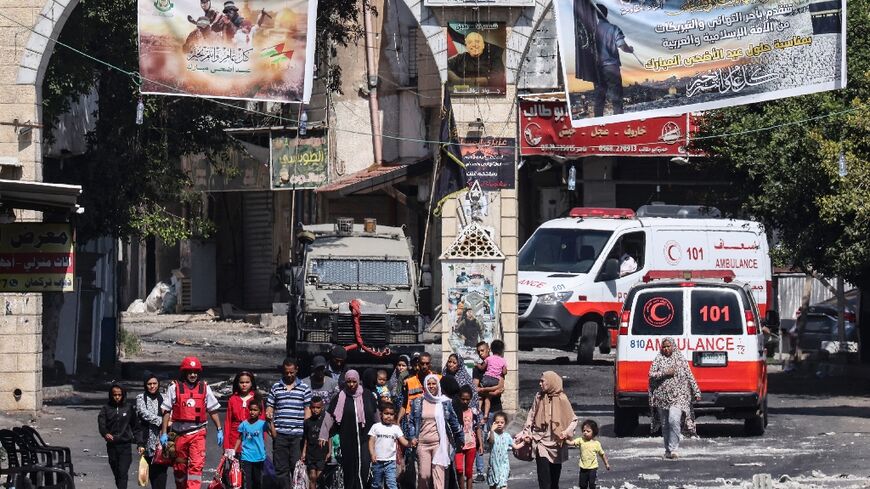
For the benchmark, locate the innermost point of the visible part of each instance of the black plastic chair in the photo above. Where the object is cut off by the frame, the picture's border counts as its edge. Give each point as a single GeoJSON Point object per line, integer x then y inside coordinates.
{"type": "Point", "coordinates": [61, 456]}
{"type": "Point", "coordinates": [21, 456]}
{"type": "Point", "coordinates": [24, 477]}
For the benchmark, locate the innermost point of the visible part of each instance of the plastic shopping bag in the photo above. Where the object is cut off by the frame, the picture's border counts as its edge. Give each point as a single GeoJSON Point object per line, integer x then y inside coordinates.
{"type": "Point", "coordinates": [300, 476]}
{"type": "Point", "coordinates": [234, 474]}
{"type": "Point", "coordinates": [143, 472]}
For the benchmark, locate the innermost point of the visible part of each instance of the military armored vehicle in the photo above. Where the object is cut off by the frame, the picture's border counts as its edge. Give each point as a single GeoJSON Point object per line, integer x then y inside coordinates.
{"type": "Point", "coordinates": [355, 286]}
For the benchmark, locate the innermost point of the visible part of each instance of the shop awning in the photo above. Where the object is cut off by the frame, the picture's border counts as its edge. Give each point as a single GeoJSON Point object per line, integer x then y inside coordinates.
{"type": "Point", "coordinates": [375, 177]}
{"type": "Point", "coordinates": [39, 196]}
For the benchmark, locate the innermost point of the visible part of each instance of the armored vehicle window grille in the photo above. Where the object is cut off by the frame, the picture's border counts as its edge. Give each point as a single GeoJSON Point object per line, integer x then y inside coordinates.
{"type": "Point", "coordinates": [363, 272]}
{"type": "Point", "coordinates": [336, 271]}
{"type": "Point", "coordinates": [383, 272]}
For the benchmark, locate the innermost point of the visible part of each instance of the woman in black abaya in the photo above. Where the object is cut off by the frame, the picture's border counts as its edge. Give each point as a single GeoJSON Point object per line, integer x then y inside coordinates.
{"type": "Point", "coordinates": [351, 414]}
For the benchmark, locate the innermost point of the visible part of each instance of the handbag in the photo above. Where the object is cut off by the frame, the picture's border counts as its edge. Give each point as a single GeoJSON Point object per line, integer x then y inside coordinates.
{"type": "Point", "coordinates": [161, 456]}
{"type": "Point", "coordinates": [525, 452]}
{"type": "Point", "coordinates": [300, 476]}
{"type": "Point", "coordinates": [217, 482]}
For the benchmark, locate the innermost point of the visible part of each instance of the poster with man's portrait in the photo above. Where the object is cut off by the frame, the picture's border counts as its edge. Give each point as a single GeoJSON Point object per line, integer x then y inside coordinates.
{"type": "Point", "coordinates": [472, 305]}
{"type": "Point", "coordinates": [476, 58]}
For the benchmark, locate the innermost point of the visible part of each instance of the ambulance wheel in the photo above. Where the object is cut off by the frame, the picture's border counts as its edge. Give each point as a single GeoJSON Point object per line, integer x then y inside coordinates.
{"type": "Point", "coordinates": [755, 425]}
{"type": "Point", "coordinates": [586, 342]}
{"type": "Point", "coordinates": [625, 421]}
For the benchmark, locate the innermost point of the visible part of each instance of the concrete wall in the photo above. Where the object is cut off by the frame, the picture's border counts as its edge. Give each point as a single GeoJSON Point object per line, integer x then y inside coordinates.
{"type": "Point", "coordinates": [20, 352]}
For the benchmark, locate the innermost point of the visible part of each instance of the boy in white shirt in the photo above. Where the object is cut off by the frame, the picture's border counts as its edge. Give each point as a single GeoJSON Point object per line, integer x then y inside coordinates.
{"type": "Point", "coordinates": [382, 447]}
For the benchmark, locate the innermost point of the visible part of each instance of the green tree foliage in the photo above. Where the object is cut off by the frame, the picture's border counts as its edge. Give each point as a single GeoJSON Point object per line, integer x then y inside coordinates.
{"type": "Point", "coordinates": [132, 184]}
{"type": "Point", "coordinates": [787, 177]}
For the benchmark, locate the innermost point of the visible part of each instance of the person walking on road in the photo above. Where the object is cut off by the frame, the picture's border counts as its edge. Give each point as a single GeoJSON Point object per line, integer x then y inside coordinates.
{"type": "Point", "coordinates": [337, 363]}
{"type": "Point", "coordinates": [351, 414]}
{"type": "Point", "coordinates": [118, 425]}
{"type": "Point", "coordinates": [238, 408]}
{"type": "Point", "coordinates": [287, 406]}
{"type": "Point", "coordinates": [189, 403]}
{"type": "Point", "coordinates": [435, 428]}
{"type": "Point", "coordinates": [590, 450]}
{"type": "Point", "coordinates": [148, 409]}
{"type": "Point", "coordinates": [672, 387]}
{"type": "Point", "coordinates": [550, 423]}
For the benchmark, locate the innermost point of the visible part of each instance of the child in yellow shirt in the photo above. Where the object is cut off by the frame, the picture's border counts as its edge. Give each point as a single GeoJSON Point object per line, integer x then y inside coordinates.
{"type": "Point", "coordinates": [590, 449]}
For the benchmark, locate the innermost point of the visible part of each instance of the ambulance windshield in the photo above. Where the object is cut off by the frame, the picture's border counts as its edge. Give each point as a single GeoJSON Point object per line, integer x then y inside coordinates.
{"type": "Point", "coordinates": [562, 250]}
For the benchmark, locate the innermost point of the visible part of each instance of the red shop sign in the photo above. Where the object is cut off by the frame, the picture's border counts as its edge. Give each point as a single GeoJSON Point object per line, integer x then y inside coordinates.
{"type": "Point", "coordinates": [546, 130]}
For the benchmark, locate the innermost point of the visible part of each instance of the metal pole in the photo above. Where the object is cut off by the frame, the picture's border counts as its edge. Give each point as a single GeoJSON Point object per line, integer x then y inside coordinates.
{"type": "Point", "coordinates": [373, 83]}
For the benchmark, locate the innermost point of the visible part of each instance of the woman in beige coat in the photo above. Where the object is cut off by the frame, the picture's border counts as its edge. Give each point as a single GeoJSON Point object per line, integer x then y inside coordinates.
{"type": "Point", "coordinates": [550, 424]}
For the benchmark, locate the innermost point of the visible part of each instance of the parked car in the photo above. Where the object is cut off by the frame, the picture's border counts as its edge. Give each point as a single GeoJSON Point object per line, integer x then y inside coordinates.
{"type": "Point", "coordinates": [822, 326]}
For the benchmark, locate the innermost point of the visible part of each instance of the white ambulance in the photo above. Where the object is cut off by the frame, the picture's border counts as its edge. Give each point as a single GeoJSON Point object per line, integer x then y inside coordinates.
{"type": "Point", "coordinates": [573, 270]}
{"type": "Point", "coordinates": [716, 324]}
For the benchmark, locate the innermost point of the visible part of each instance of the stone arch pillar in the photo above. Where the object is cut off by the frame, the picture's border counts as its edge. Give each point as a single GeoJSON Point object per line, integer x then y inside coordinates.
{"type": "Point", "coordinates": [25, 50]}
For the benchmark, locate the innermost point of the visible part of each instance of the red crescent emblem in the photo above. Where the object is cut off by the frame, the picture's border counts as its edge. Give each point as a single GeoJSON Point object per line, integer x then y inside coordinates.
{"type": "Point", "coordinates": [653, 309]}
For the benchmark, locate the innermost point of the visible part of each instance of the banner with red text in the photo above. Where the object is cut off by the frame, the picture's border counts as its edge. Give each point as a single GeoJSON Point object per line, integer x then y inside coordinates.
{"type": "Point", "coordinates": [546, 130]}
{"type": "Point", "coordinates": [629, 59]}
{"type": "Point", "coordinates": [256, 50]}
{"type": "Point", "coordinates": [36, 257]}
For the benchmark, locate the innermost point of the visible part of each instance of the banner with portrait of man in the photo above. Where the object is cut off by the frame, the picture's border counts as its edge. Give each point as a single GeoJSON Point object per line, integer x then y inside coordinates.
{"type": "Point", "coordinates": [248, 50]}
{"type": "Point", "coordinates": [632, 59]}
{"type": "Point", "coordinates": [476, 58]}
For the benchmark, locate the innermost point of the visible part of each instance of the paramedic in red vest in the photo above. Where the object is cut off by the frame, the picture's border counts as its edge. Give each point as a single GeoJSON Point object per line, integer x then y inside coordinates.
{"type": "Point", "coordinates": [189, 402]}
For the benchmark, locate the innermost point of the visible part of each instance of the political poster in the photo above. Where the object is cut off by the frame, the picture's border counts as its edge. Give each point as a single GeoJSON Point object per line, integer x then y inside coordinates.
{"type": "Point", "coordinates": [490, 161]}
{"type": "Point", "coordinates": [631, 59]}
{"type": "Point", "coordinates": [479, 3]}
{"type": "Point", "coordinates": [476, 58]}
{"type": "Point", "coordinates": [546, 130]}
{"type": "Point", "coordinates": [472, 304]}
{"type": "Point", "coordinates": [37, 257]}
{"type": "Point", "coordinates": [298, 163]}
{"type": "Point", "coordinates": [254, 50]}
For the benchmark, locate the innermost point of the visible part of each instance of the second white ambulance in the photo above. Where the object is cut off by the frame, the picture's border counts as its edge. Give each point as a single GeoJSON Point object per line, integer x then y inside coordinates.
{"type": "Point", "coordinates": [575, 269]}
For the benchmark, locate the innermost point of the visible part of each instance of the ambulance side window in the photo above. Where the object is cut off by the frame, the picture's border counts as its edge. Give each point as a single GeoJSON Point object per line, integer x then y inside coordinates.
{"type": "Point", "coordinates": [630, 251]}
{"type": "Point", "coordinates": [658, 313]}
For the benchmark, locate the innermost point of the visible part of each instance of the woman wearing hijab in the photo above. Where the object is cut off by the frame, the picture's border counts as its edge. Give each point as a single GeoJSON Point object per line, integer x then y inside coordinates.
{"type": "Point", "coordinates": [436, 432]}
{"type": "Point", "coordinates": [150, 420]}
{"type": "Point", "coordinates": [455, 367]}
{"type": "Point", "coordinates": [672, 387]}
{"type": "Point", "coordinates": [550, 424]}
{"type": "Point", "coordinates": [351, 414]}
{"type": "Point", "coordinates": [400, 373]}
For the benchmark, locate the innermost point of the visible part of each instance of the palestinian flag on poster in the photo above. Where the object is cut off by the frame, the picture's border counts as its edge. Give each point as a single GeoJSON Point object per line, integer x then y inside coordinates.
{"type": "Point", "coordinates": [276, 54]}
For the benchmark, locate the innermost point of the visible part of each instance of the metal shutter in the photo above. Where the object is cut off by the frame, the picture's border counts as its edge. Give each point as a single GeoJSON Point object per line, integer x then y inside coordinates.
{"type": "Point", "coordinates": [257, 242]}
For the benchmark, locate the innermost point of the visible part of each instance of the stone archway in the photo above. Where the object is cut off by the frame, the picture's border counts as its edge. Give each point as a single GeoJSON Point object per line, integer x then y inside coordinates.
{"type": "Point", "coordinates": [26, 31]}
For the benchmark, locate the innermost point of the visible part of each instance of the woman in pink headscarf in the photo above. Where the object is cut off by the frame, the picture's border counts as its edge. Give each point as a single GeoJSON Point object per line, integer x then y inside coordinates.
{"type": "Point", "coordinates": [351, 414]}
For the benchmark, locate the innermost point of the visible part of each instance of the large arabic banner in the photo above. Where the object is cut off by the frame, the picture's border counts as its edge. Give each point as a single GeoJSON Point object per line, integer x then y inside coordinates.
{"type": "Point", "coordinates": [256, 50]}
{"type": "Point", "coordinates": [36, 257]}
{"type": "Point", "coordinates": [546, 130]}
{"type": "Point", "coordinates": [630, 59]}
{"type": "Point", "coordinates": [298, 163]}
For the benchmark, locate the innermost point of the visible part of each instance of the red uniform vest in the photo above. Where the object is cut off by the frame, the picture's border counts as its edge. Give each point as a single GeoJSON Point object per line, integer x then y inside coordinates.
{"type": "Point", "coordinates": [190, 403]}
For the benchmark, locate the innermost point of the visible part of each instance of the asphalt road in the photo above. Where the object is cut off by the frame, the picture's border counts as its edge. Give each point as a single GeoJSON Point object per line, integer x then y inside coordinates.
{"type": "Point", "coordinates": [816, 437]}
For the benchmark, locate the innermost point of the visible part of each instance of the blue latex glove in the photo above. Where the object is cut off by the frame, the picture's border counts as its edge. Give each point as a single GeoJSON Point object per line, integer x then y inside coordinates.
{"type": "Point", "coordinates": [220, 438]}
{"type": "Point", "coordinates": [164, 439]}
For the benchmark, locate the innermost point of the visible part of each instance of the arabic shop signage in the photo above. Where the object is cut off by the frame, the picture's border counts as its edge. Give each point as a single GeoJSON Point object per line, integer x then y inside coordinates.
{"type": "Point", "coordinates": [36, 257]}
{"type": "Point", "coordinates": [253, 50]}
{"type": "Point", "coordinates": [298, 163]}
{"type": "Point", "coordinates": [490, 161]}
{"type": "Point", "coordinates": [546, 130]}
{"type": "Point", "coordinates": [238, 171]}
{"type": "Point", "coordinates": [628, 60]}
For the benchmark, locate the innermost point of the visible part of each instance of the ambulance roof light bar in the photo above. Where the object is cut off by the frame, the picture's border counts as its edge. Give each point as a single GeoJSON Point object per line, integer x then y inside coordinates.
{"type": "Point", "coordinates": [725, 275]}
{"type": "Point", "coordinates": [602, 212]}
